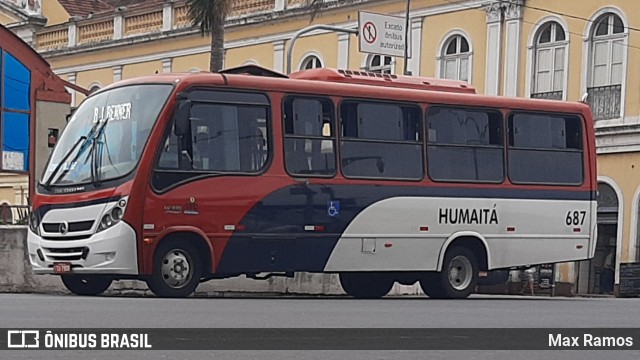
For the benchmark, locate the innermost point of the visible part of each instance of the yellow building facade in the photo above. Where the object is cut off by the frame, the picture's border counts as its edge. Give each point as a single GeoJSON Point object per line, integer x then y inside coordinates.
{"type": "Point", "coordinates": [526, 48]}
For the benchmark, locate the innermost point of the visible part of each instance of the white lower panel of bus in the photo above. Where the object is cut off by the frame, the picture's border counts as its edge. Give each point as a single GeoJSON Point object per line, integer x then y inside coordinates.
{"type": "Point", "coordinates": [112, 251]}
{"type": "Point", "coordinates": [412, 233]}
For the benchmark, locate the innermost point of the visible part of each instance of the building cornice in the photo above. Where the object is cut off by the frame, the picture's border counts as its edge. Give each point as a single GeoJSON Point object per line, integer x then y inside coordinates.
{"type": "Point", "coordinates": [252, 20]}
{"type": "Point", "coordinates": [621, 138]}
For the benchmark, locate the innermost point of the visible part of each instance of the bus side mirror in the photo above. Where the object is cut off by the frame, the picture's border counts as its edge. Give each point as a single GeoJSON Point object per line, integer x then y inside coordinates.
{"type": "Point", "coordinates": [183, 118]}
{"type": "Point", "coordinates": [70, 114]}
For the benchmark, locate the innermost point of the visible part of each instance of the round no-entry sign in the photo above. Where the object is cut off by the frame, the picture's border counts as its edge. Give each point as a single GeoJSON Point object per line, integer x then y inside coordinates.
{"type": "Point", "coordinates": [369, 32]}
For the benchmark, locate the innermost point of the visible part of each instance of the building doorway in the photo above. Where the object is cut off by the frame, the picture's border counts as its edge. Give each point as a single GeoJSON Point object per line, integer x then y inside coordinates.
{"type": "Point", "coordinates": [590, 272]}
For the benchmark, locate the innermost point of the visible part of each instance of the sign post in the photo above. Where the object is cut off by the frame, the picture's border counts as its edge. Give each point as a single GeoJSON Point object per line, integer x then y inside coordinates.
{"type": "Point", "coordinates": [383, 34]}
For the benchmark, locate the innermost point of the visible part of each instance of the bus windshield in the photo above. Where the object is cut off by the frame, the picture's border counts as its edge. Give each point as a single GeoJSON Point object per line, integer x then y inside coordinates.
{"type": "Point", "coordinates": [106, 135]}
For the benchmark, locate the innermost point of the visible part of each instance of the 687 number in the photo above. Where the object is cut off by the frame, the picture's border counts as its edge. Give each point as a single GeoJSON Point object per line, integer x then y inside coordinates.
{"type": "Point", "coordinates": [575, 217]}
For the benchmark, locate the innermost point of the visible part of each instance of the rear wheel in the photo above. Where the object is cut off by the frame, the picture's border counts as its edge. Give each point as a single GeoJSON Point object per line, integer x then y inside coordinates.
{"type": "Point", "coordinates": [366, 285]}
{"type": "Point", "coordinates": [458, 278]}
{"type": "Point", "coordinates": [88, 285]}
{"type": "Point", "coordinates": [177, 269]}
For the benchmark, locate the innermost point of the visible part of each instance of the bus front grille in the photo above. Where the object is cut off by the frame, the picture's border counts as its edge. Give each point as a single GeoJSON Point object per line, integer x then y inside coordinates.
{"type": "Point", "coordinates": [66, 254]}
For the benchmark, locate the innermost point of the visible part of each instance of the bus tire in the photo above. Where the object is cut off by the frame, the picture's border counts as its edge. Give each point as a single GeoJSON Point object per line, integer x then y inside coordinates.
{"type": "Point", "coordinates": [177, 269]}
{"type": "Point", "coordinates": [428, 283]}
{"type": "Point", "coordinates": [458, 278]}
{"type": "Point", "coordinates": [366, 286]}
{"type": "Point", "coordinates": [86, 285]}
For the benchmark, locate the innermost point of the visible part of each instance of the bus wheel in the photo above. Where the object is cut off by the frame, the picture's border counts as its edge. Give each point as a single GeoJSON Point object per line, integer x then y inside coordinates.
{"type": "Point", "coordinates": [88, 285]}
{"type": "Point", "coordinates": [458, 278]}
{"type": "Point", "coordinates": [176, 270]}
{"type": "Point", "coordinates": [366, 286]}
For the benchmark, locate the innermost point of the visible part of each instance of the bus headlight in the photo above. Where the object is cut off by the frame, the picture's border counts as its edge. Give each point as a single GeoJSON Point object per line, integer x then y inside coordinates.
{"type": "Point", "coordinates": [116, 213]}
{"type": "Point", "coordinates": [34, 223]}
{"type": "Point", "coordinates": [113, 215]}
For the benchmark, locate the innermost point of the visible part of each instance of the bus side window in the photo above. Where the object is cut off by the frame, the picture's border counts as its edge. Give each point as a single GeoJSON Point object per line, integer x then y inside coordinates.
{"type": "Point", "coordinates": [228, 137]}
{"type": "Point", "coordinates": [169, 153]}
{"type": "Point", "coordinates": [465, 144]}
{"type": "Point", "coordinates": [309, 139]}
{"type": "Point", "coordinates": [545, 149]}
{"type": "Point", "coordinates": [381, 140]}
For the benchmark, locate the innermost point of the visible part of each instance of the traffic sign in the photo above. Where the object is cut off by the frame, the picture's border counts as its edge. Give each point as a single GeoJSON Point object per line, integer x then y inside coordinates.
{"type": "Point", "coordinates": [382, 34]}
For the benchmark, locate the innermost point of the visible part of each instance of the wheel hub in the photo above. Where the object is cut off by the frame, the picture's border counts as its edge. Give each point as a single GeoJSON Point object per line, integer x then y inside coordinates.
{"type": "Point", "coordinates": [176, 269]}
{"type": "Point", "coordinates": [460, 273]}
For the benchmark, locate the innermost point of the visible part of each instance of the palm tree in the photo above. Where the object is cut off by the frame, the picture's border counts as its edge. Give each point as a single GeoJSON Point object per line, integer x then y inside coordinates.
{"type": "Point", "coordinates": [210, 16]}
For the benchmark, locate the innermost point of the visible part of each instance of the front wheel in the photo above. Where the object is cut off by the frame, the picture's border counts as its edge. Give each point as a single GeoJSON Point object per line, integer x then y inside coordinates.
{"type": "Point", "coordinates": [177, 269]}
{"type": "Point", "coordinates": [366, 285]}
{"type": "Point", "coordinates": [87, 285]}
{"type": "Point", "coordinates": [458, 278]}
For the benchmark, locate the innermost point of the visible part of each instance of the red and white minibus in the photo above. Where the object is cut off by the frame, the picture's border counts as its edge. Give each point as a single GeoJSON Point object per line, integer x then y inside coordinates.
{"type": "Point", "coordinates": [180, 178]}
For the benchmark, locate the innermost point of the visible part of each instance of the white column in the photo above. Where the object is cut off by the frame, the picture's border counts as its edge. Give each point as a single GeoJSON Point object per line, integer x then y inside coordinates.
{"type": "Point", "coordinates": [166, 65]}
{"type": "Point", "coordinates": [72, 77]}
{"type": "Point", "coordinates": [21, 192]}
{"type": "Point", "coordinates": [343, 50]}
{"type": "Point", "coordinates": [72, 33]}
{"type": "Point", "coordinates": [117, 73]}
{"type": "Point", "coordinates": [280, 5]}
{"type": "Point", "coordinates": [27, 35]}
{"type": "Point", "coordinates": [118, 26]}
{"type": "Point", "coordinates": [513, 15]}
{"type": "Point", "coordinates": [413, 63]}
{"type": "Point", "coordinates": [167, 16]}
{"type": "Point", "coordinates": [494, 53]}
{"type": "Point", "coordinates": [38, 7]}
{"type": "Point", "coordinates": [278, 56]}
{"type": "Point", "coordinates": [585, 69]}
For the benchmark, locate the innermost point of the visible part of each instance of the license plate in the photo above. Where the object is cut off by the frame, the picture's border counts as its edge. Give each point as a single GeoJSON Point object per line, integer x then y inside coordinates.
{"type": "Point", "coordinates": [61, 268]}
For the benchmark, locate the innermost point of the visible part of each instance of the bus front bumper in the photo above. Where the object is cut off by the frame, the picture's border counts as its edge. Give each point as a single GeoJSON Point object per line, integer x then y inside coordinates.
{"type": "Point", "coordinates": [112, 251]}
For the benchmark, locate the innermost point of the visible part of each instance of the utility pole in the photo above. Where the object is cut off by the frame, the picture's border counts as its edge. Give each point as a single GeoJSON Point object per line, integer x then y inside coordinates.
{"type": "Point", "coordinates": [406, 38]}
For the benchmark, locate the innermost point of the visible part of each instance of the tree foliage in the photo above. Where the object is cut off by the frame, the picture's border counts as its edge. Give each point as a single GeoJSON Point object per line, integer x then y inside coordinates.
{"type": "Point", "coordinates": [210, 16]}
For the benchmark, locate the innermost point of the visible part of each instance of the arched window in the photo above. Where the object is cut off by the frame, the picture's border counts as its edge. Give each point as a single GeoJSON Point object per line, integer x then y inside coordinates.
{"type": "Point", "coordinates": [94, 88]}
{"type": "Point", "coordinates": [549, 62]}
{"type": "Point", "coordinates": [311, 62]}
{"type": "Point", "coordinates": [455, 59]}
{"type": "Point", "coordinates": [607, 198]}
{"type": "Point", "coordinates": [608, 40]}
{"type": "Point", "coordinates": [380, 64]}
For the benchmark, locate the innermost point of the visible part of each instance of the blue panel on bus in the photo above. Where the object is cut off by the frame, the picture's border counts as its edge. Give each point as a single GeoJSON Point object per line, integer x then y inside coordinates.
{"type": "Point", "coordinates": [291, 229]}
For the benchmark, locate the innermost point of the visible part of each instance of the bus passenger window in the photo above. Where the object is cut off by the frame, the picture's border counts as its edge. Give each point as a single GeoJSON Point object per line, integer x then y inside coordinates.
{"type": "Point", "coordinates": [381, 141]}
{"type": "Point", "coordinates": [465, 144]}
{"type": "Point", "coordinates": [545, 149]}
{"type": "Point", "coordinates": [309, 140]}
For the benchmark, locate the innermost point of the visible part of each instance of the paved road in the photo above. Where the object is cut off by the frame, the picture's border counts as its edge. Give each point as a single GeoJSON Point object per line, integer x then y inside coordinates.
{"type": "Point", "coordinates": [24, 311]}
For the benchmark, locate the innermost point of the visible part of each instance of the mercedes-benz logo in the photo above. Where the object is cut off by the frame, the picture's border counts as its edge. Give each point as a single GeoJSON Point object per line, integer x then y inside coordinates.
{"type": "Point", "coordinates": [64, 227]}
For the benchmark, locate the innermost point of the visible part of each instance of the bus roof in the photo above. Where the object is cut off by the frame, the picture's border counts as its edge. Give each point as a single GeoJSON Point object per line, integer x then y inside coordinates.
{"type": "Point", "coordinates": [358, 84]}
{"type": "Point", "coordinates": [386, 80]}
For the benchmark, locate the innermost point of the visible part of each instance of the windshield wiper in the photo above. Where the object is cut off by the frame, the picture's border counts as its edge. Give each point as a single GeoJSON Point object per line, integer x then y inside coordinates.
{"type": "Point", "coordinates": [64, 160]}
{"type": "Point", "coordinates": [85, 141]}
{"type": "Point", "coordinates": [95, 167]}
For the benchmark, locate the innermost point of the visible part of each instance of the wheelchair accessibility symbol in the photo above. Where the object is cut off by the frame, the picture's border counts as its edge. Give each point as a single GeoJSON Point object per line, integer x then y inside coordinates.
{"type": "Point", "coordinates": [333, 208]}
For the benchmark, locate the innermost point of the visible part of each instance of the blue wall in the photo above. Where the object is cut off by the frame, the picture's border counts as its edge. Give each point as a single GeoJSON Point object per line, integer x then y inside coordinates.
{"type": "Point", "coordinates": [15, 108]}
